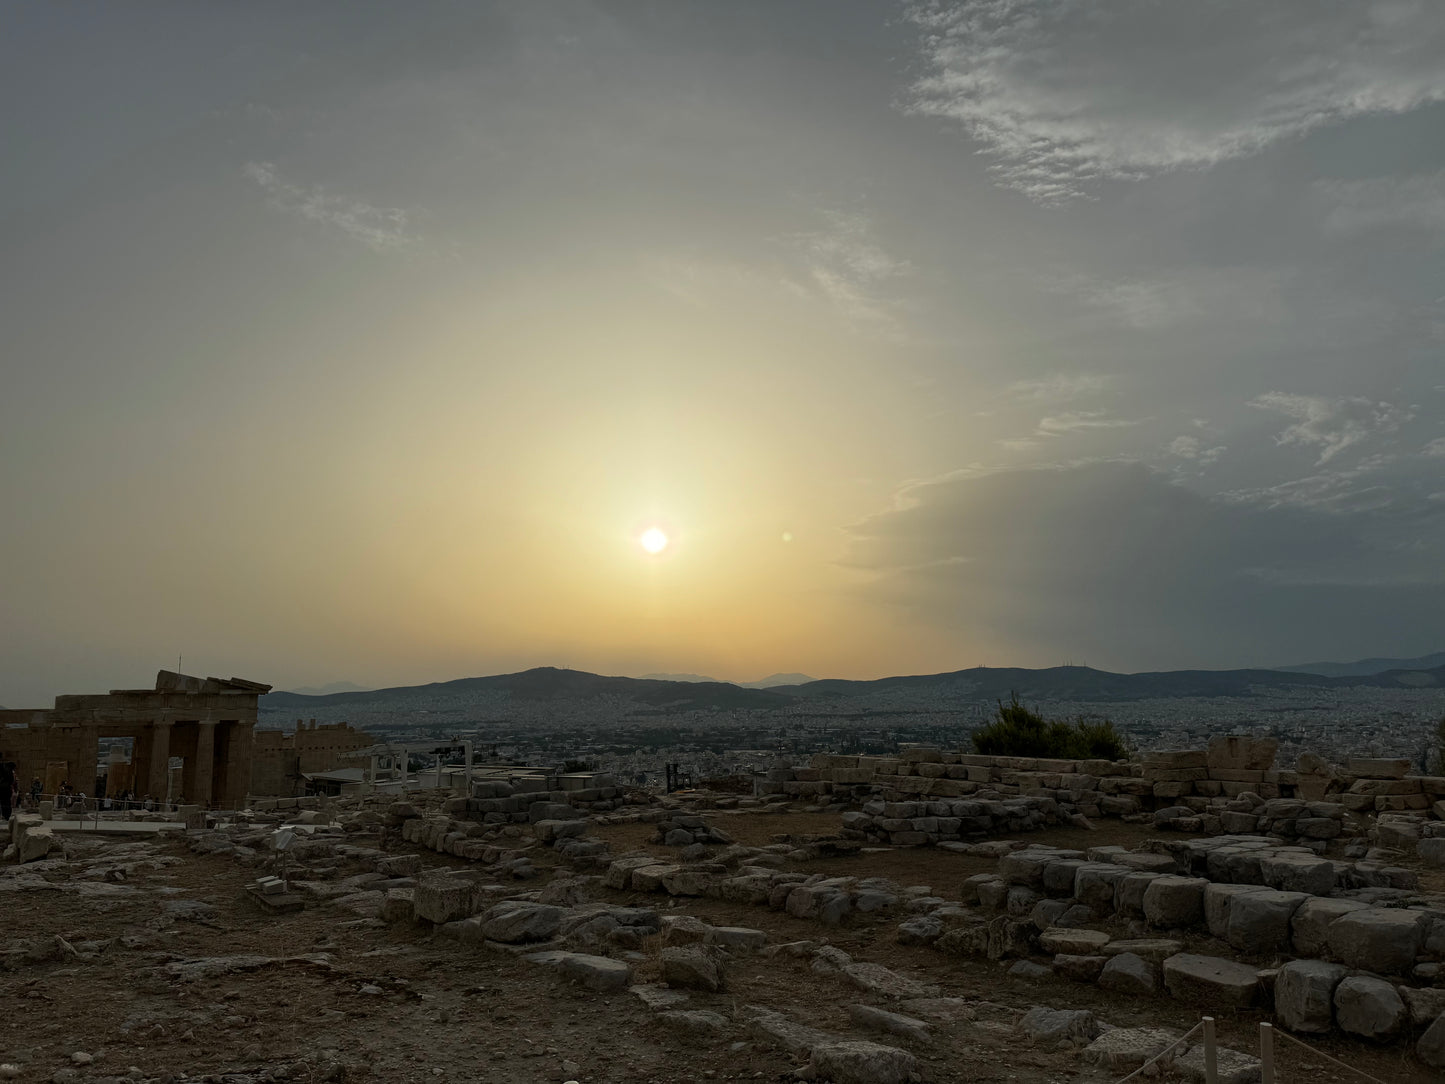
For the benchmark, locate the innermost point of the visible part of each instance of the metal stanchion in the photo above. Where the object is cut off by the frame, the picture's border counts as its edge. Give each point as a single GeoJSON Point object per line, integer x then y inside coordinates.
{"type": "Point", "coordinates": [1266, 1053]}
{"type": "Point", "coordinates": [1211, 1057]}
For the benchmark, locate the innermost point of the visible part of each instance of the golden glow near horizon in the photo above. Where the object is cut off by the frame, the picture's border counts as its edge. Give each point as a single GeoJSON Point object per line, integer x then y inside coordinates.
{"type": "Point", "coordinates": [654, 540]}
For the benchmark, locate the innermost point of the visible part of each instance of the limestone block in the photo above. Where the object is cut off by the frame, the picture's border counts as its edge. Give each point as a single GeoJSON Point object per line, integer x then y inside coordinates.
{"type": "Point", "coordinates": [1378, 939]}
{"type": "Point", "coordinates": [1431, 1047]}
{"type": "Point", "coordinates": [1425, 1003]}
{"type": "Point", "coordinates": [1309, 928]}
{"type": "Point", "coordinates": [739, 938]}
{"type": "Point", "coordinates": [1094, 885]}
{"type": "Point", "coordinates": [1293, 872]}
{"type": "Point", "coordinates": [1218, 901]}
{"type": "Point", "coordinates": [1171, 901]}
{"type": "Point", "coordinates": [399, 905]}
{"type": "Point", "coordinates": [1047, 1026]}
{"type": "Point", "coordinates": [1058, 876]}
{"type": "Point", "coordinates": [866, 1016]}
{"type": "Point", "coordinates": [920, 930]}
{"type": "Point", "coordinates": [1129, 892]}
{"type": "Point", "coordinates": [1432, 852]}
{"type": "Point", "coordinates": [1369, 1007]}
{"type": "Point", "coordinates": [690, 967]}
{"type": "Point", "coordinates": [599, 973]}
{"type": "Point", "coordinates": [1153, 950]}
{"type": "Point", "coordinates": [1126, 1049]}
{"type": "Point", "coordinates": [1230, 1066]}
{"type": "Point", "coordinates": [650, 878]}
{"type": "Point", "coordinates": [619, 873]}
{"type": "Point", "coordinates": [1170, 760]}
{"type": "Point", "coordinates": [1379, 787]}
{"type": "Point", "coordinates": [443, 899]}
{"type": "Point", "coordinates": [1072, 942]}
{"type": "Point", "coordinates": [856, 1061]}
{"type": "Point", "coordinates": [1304, 992]}
{"type": "Point", "coordinates": [1025, 867]}
{"type": "Point", "coordinates": [516, 922]}
{"type": "Point", "coordinates": [1211, 981]}
{"type": "Point", "coordinates": [1318, 827]}
{"type": "Point", "coordinates": [1259, 922]}
{"type": "Point", "coordinates": [1128, 973]}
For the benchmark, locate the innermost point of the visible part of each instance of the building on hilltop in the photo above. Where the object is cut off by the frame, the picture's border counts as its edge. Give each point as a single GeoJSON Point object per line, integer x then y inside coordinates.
{"type": "Point", "coordinates": [208, 723]}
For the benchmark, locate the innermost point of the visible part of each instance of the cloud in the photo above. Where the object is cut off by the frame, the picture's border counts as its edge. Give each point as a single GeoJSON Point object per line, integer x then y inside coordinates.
{"type": "Point", "coordinates": [1415, 203]}
{"type": "Point", "coordinates": [1115, 561]}
{"type": "Point", "coordinates": [1193, 449]}
{"type": "Point", "coordinates": [1331, 425]}
{"type": "Point", "coordinates": [381, 229]}
{"type": "Point", "coordinates": [1435, 449]}
{"type": "Point", "coordinates": [847, 266]}
{"type": "Point", "coordinates": [1080, 421]}
{"type": "Point", "coordinates": [1064, 93]}
{"type": "Point", "coordinates": [1060, 386]}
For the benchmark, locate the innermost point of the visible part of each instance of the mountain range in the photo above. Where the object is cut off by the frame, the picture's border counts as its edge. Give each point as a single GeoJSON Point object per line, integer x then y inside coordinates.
{"type": "Point", "coordinates": [1072, 683]}
{"type": "Point", "coordinates": [1366, 667]}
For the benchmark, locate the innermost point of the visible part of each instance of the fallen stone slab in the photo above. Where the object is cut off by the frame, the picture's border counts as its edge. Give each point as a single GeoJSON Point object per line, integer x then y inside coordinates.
{"type": "Point", "coordinates": [1259, 922]}
{"type": "Point", "coordinates": [1126, 1049]}
{"type": "Point", "coordinates": [515, 922]}
{"type": "Point", "coordinates": [875, 1019]}
{"type": "Point", "coordinates": [877, 979]}
{"type": "Point", "coordinates": [1155, 950]}
{"type": "Point", "coordinates": [736, 938]}
{"type": "Point", "coordinates": [1079, 968]}
{"type": "Point", "coordinates": [774, 1028]}
{"type": "Point", "coordinates": [1292, 872]}
{"type": "Point", "coordinates": [920, 930]}
{"type": "Point", "coordinates": [1304, 992]}
{"type": "Point", "coordinates": [1072, 942]}
{"type": "Point", "coordinates": [1431, 1047]}
{"type": "Point", "coordinates": [1369, 1007]}
{"type": "Point", "coordinates": [690, 967]}
{"type": "Point", "coordinates": [1310, 926]}
{"type": "Point", "coordinates": [1127, 973]}
{"type": "Point", "coordinates": [1171, 901]}
{"type": "Point", "coordinates": [1231, 1066]}
{"type": "Point", "coordinates": [854, 1061]}
{"type": "Point", "coordinates": [1211, 981]}
{"type": "Point", "coordinates": [1048, 1026]}
{"type": "Point", "coordinates": [600, 973]}
{"type": "Point", "coordinates": [659, 997]}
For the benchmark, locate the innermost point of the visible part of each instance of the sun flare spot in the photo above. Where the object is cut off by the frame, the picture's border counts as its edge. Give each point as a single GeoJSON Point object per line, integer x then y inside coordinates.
{"type": "Point", "coordinates": [653, 540]}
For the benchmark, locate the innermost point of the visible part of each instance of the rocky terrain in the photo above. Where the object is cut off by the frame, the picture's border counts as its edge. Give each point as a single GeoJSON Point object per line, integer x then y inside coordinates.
{"type": "Point", "coordinates": [763, 946]}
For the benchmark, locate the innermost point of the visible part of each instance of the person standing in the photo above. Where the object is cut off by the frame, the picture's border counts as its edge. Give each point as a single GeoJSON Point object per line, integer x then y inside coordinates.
{"type": "Point", "coordinates": [7, 789]}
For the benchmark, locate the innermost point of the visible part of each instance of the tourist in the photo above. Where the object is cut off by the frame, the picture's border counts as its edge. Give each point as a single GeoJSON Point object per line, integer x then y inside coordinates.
{"type": "Point", "coordinates": [7, 789]}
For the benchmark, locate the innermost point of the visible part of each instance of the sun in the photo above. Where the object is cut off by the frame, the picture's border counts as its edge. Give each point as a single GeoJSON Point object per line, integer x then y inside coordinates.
{"type": "Point", "coordinates": [653, 540]}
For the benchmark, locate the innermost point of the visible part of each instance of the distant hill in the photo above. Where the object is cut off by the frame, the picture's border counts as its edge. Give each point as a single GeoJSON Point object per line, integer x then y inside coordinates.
{"type": "Point", "coordinates": [772, 681]}
{"type": "Point", "coordinates": [1367, 667]}
{"type": "Point", "coordinates": [679, 677]}
{"type": "Point", "coordinates": [925, 692]}
{"type": "Point", "coordinates": [327, 690]}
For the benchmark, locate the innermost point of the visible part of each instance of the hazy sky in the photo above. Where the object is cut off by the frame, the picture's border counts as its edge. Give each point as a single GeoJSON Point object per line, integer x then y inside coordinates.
{"type": "Point", "coordinates": [361, 341]}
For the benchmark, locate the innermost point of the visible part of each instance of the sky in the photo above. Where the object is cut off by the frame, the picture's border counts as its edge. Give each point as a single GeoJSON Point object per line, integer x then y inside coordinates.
{"type": "Point", "coordinates": [363, 341]}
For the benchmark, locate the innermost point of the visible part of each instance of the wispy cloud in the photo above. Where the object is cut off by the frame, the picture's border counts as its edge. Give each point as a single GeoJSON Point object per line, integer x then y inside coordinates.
{"type": "Point", "coordinates": [1331, 425]}
{"type": "Point", "coordinates": [1060, 386]}
{"type": "Point", "coordinates": [1064, 93]}
{"type": "Point", "coordinates": [1435, 449]}
{"type": "Point", "coordinates": [1079, 421]}
{"type": "Point", "coordinates": [381, 229]}
{"type": "Point", "coordinates": [1193, 449]}
{"type": "Point", "coordinates": [848, 267]}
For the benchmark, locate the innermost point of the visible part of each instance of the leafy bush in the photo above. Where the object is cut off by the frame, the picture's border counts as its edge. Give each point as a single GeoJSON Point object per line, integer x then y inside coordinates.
{"type": "Point", "coordinates": [1018, 732]}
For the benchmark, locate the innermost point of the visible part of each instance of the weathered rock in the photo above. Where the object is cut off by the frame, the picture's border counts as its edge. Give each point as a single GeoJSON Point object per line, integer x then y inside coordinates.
{"type": "Point", "coordinates": [698, 1022]}
{"type": "Point", "coordinates": [1304, 992]}
{"type": "Point", "coordinates": [920, 930]}
{"type": "Point", "coordinates": [1209, 980]}
{"type": "Point", "coordinates": [516, 922]}
{"type": "Point", "coordinates": [1369, 1007]}
{"type": "Point", "coordinates": [736, 938]}
{"type": "Point", "coordinates": [599, 973]}
{"type": "Point", "coordinates": [1431, 1047]}
{"type": "Point", "coordinates": [1072, 942]}
{"type": "Point", "coordinates": [1094, 885]}
{"type": "Point", "coordinates": [875, 1019]}
{"type": "Point", "coordinates": [1424, 1003]}
{"type": "Point", "coordinates": [1029, 971]}
{"type": "Point", "coordinates": [1292, 872]}
{"type": "Point", "coordinates": [1129, 892]}
{"type": "Point", "coordinates": [1218, 900]}
{"type": "Point", "coordinates": [1231, 1066]}
{"type": "Point", "coordinates": [1153, 950]}
{"type": "Point", "coordinates": [1377, 939]}
{"type": "Point", "coordinates": [877, 979]}
{"type": "Point", "coordinates": [690, 967]}
{"type": "Point", "coordinates": [1171, 901]}
{"type": "Point", "coordinates": [399, 905]}
{"type": "Point", "coordinates": [1310, 926]}
{"type": "Point", "coordinates": [1259, 922]}
{"type": "Point", "coordinates": [1123, 1049]}
{"type": "Point", "coordinates": [1127, 973]}
{"type": "Point", "coordinates": [1048, 1026]}
{"type": "Point", "coordinates": [853, 1061]}
{"type": "Point", "coordinates": [443, 898]}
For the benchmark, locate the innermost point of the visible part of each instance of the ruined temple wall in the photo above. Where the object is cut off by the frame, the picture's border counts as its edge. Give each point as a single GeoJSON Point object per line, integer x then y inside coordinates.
{"type": "Point", "coordinates": [279, 759]}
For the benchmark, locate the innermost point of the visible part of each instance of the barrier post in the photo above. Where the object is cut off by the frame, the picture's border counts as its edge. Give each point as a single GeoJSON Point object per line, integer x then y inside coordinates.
{"type": "Point", "coordinates": [1266, 1053]}
{"type": "Point", "coordinates": [1211, 1064]}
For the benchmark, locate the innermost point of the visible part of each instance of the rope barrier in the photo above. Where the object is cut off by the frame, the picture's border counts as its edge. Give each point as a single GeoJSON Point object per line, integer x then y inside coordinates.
{"type": "Point", "coordinates": [1173, 1045]}
{"type": "Point", "coordinates": [1322, 1054]}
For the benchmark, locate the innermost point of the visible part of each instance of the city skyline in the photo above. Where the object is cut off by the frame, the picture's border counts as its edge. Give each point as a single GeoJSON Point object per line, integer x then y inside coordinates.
{"type": "Point", "coordinates": [398, 344]}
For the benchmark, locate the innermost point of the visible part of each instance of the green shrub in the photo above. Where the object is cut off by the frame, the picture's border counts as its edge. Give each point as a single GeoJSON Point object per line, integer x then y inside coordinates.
{"type": "Point", "coordinates": [1018, 732]}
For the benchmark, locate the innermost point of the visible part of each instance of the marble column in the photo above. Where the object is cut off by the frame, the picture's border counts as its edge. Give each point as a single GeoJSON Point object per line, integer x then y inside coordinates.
{"type": "Point", "coordinates": [200, 793]}
{"type": "Point", "coordinates": [160, 759]}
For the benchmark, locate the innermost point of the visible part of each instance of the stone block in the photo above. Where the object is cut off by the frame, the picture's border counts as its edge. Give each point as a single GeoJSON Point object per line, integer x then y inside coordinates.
{"type": "Point", "coordinates": [1218, 901]}
{"type": "Point", "coordinates": [1431, 1047]}
{"type": "Point", "coordinates": [1048, 1026]}
{"type": "Point", "coordinates": [1128, 973]}
{"type": "Point", "coordinates": [1230, 1066]}
{"type": "Point", "coordinates": [856, 1061]}
{"type": "Point", "coordinates": [1095, 883]}
{"type": "Point", "coordinates": [1171, 901]}
{"type": "Point", "coordinates": [690, 967]}
{"type": "Point", "coordinates": [1310, 926]}
{"type": "Point", "coordinates": [1304, 992]}
{"type": "Point", "coordinates": [1129, 892]}
{"type": "Point", "coordinates": [443, 898]}
{"type": "Point", "coordinates": [1378, 768]}
{"type": "Point", "coordinates": [1170, 760]}
{"type": "Point", "coordinates": [1378, 939]}
{"type": "Point", "coordinates": [1072, 942]}
{"type": "Point", "coordinates": [1211, 981]}
{"type": "Point", "coordinates": [1293, 872]}
{"type": "Point", "coordinates": [1259, 922]}
{"type": "Point", "coordinates": [517, 922]}
{"type": "Point", "coordinates": [1153, 950]}
{"type": "Point", "coordinates": [1126, 1049]}
{"type": "Point", "coordinates": [1369, 1007]}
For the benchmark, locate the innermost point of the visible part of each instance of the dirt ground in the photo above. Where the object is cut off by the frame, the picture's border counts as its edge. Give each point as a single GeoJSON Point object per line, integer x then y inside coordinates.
{"type": "Point", "coordinates": [394, 1003]}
